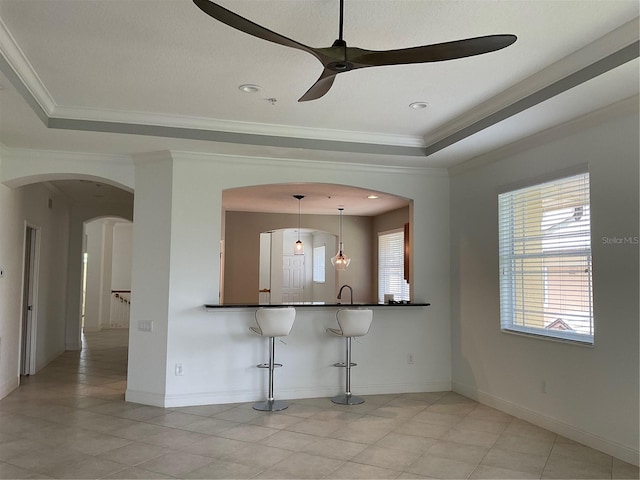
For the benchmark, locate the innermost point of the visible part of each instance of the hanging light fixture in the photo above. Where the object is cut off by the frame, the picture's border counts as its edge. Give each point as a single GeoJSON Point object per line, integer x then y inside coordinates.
{"type": "Point", "coordinates": [340, 261]}
{"type": "Point", "coordinates": [298, 247]}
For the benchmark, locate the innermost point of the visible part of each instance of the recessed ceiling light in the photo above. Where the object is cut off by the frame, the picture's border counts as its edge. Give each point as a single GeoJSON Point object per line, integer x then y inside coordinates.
{"type": "Point", "coordinates": [418, 105]}
{"type": "Point", "coordinates": [372, 196]}
{"type": "Point", "coordinates": [249, 88]}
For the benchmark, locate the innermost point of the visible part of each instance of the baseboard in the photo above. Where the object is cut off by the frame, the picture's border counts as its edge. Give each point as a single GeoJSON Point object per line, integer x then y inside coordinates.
{"type": "Point", "coordinates": [623, 452]}
{"type": "Point", "coordinates": [7, 387]}
{"type": "Point", "coordinates": [242, 396]}
{"type": "Point", "coordinates": [72, 347]}
{"type": "Point", "coordinates": [145, 398]}
{"type": "Point", "coordinates": [48, 360]}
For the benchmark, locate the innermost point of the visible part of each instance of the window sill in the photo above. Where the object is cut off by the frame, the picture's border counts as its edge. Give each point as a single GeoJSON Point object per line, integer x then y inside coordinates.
{"type": "Point", "coordinates": [538, 336]}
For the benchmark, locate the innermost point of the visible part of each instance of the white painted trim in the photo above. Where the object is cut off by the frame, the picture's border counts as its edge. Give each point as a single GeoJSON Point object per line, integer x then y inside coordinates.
{"type": "Point", "coordinates": [628, 106]}
{"type": "Point", "coordinates": [233, 126]}
{"type": "Point", "coordinates": [75, 346]}
{"type": "Point", "coordinates": [23, 69]}
{"type": "Point", "coordinates": [7, 387]}
{"type": "Point", "coordinates": [244, 396]}
{"type": "Point", "coordinates": [145, 398]}
{"type": "Point", "coordinates": [36, 284]}
{"type": "Point", "coordinates": [623, 452]}
{"type": "Point", "coordinates": [591, 53]}
{"type": "Point", "coordinates": [16, 58]}
{"type": "Point", "coordinates": [223, 158]}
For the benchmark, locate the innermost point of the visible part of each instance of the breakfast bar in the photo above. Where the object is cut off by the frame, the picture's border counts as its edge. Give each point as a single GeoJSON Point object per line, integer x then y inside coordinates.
{"type": "Point", "coordinates": [392, 358]}
{"type": "Point", "coordinates": [214, 307]}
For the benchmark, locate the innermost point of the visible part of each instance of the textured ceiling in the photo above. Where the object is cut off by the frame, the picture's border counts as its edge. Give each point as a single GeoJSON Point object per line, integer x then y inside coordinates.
{"type": "Point", "coordinates": [129, 77]}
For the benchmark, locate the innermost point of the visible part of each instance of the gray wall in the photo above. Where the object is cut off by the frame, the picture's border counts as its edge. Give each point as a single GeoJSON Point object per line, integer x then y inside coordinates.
{"type": "Point", "coordinates": [591, 393]}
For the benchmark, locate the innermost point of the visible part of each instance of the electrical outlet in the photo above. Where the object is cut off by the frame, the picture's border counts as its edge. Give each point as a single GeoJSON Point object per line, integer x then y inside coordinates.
{"type": "Point", "coordinates": [410, 359]}
{"type": "Point", "coordinates": [145, 325]}
{"type": "Point", "coordinates": [543, 386]}
{"type": "Point", "coordinates": [179, 370]}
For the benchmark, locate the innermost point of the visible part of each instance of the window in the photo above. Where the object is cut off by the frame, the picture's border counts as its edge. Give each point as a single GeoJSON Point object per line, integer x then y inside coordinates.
{"type": "Point", "coordinates": [391, 266]}
{"type": "Point", "coordinates": [545, 260]}
{"type": "Point", "coordinates": [318, 264]}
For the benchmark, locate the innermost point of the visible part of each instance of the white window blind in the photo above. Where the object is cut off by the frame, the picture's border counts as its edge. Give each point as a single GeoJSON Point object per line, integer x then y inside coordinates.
{"type": "Point", "coordinates": [391, 266]}
{"type": "Point", "coordinates": [318, 264]}
{"type": "Point", "coordinates": [545, 260]}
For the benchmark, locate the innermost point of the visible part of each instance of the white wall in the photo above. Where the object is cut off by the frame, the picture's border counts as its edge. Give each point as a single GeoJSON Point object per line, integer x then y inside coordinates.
{"type": "Point", "coordinates": [216, 350]}
{"type": "Point", "coordinates": [150, 282]}
{"type": "Point", "coordinates": [94, 232]}
{"type": "Point", "coordinates": [591, 392]}
{"type": "Point", "coordinates": [11, 246]}
{"type": "Point", "coordinates": [30, 204]}
{"type": "Point", "coordinates": [122, 256]}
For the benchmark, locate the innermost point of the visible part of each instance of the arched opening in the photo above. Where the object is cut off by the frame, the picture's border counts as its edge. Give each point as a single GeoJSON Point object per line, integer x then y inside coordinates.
{"type": "Point", "coordinates": [45, 222]}
{"type": "Point", "coordinates": [252, 212]}
{"type": "Point", "coordinates": [106, 273]}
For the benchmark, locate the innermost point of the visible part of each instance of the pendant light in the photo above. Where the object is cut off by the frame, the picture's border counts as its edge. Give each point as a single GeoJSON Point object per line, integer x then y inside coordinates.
{"type": "Point", "coordinates": [298, 247]}
{"type": "Point", "coordinates": [340, 261]}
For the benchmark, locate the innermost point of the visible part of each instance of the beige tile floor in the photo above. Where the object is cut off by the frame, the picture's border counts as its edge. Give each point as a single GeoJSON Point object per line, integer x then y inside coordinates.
{"type": "Point", "coordinates": [70, 421]}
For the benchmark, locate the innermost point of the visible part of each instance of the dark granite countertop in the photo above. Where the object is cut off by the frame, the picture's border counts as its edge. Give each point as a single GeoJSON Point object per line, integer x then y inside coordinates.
{"type": "Point", "coordinates": [315, 304]}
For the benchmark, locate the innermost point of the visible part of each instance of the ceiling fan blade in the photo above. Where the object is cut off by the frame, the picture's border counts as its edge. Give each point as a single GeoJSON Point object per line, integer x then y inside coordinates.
{"type": "Point", "coordinates": [322, 86]}
{"type": "Point", "coordinates": [247, 26]}
{"type": "Point", "coordinates": [434, 53]}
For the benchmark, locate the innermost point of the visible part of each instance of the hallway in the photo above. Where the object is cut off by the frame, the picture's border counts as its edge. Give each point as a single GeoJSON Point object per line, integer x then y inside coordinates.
{"type": "Point", "coordinates": [70, 421]}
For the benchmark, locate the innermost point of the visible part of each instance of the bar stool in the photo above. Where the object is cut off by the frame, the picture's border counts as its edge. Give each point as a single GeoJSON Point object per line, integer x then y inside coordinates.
{"type": "Point", "coordinates": [353, 323]}
{"type": "Point", "coordinates": [272, 323]}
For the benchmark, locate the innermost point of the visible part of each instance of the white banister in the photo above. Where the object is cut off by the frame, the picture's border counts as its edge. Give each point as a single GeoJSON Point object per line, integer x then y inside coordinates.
{"type": "Point", "coordinates": [120, 308]}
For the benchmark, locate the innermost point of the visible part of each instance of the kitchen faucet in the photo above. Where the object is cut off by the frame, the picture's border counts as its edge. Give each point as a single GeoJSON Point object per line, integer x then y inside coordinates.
{"type": "Point", "coordinates": [339, 297]}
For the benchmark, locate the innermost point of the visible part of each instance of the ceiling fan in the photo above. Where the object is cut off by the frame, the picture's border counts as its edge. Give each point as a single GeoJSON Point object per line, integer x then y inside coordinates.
{"type": "Point", "coordinates": [339, 58]}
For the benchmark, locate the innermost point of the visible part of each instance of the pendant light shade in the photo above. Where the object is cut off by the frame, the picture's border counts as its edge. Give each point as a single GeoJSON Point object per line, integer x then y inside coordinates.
{"type": "Point", "coordinates": [298, 247]}
{"type": "Point", "coordinates": [340, 261]}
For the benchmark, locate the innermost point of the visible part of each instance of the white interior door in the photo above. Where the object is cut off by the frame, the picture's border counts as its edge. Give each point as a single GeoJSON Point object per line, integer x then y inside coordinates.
{"type": "Point", "coordinates": [292, 278]}
{"type": "Point", "coordinates": [264, 274]}
{"type": "Point", "coordinates": [28, 335]}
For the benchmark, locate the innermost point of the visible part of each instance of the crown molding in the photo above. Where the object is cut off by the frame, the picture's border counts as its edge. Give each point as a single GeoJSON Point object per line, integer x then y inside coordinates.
{"type": "Point", "coordinates": [232, 126]}
{"type": "Point", "coordinates": [16, 66]}
{"type": "Point", "coordinates": [608, 52]}
{"type": "Point", "coordinates": [626, 107]}
{"type": "Point", "coordinates": [354, 167]}
{"type": "Point", "coordinates": [23, 71]}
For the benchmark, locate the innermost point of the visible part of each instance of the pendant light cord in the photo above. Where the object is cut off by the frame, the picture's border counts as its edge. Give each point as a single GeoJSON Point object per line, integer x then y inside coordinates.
{"type": "Point", "coordinates": [341, 19]}
{"type": "Point", "coordinates": [298, 219]}
{"type": "Point", "coordinates": [340, 241]}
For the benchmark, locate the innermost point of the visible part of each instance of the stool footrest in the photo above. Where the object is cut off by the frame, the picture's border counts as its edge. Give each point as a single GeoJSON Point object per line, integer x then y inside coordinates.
{"type": "Point", "coordinates": [266, 365]}
{"type": "Point", "coordinates": [344, 364]}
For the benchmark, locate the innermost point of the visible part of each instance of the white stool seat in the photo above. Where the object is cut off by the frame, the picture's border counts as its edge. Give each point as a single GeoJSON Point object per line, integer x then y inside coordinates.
{"type": "Point", "coordinates": [272, 323]}
{"type": "Point", "coordinates": [352, 323]}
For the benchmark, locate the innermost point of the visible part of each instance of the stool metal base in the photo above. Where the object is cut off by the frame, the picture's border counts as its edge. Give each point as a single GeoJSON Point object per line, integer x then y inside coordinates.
{"type": "Point", "coordinates": [270, 406]}
{"type": "Point", "coordinates": [349, 399]}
